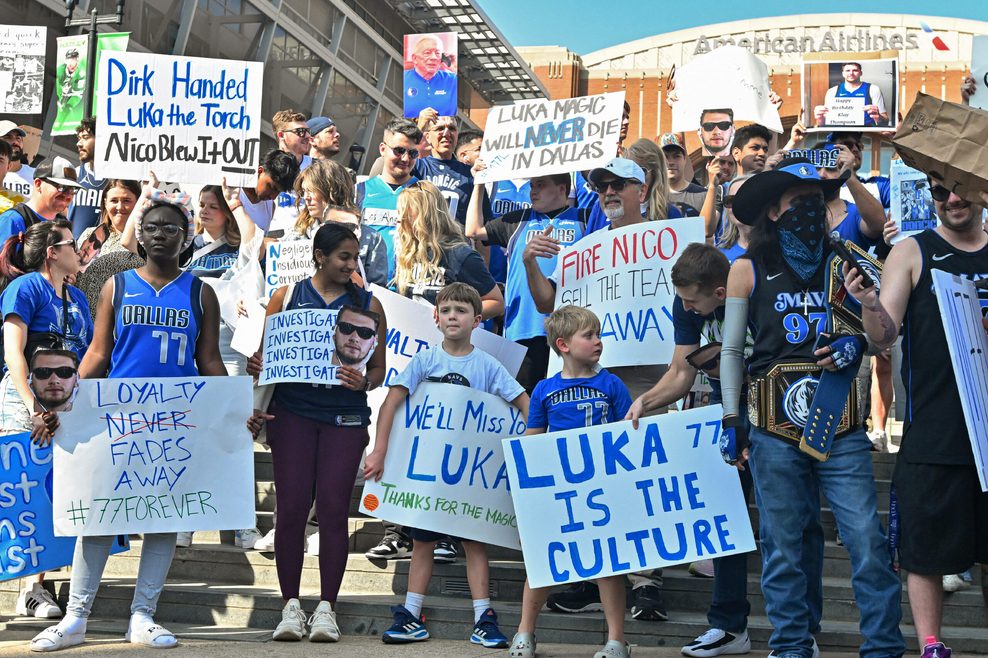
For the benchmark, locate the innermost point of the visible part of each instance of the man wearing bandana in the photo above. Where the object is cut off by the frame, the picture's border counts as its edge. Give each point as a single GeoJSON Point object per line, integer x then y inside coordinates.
{"type": "Point", "coordinates": [800, 383]}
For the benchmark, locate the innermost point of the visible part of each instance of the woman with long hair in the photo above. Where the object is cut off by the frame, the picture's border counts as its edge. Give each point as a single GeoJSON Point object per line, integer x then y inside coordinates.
{"type": "Point", "coordinates": [734, 240]}
{"type": "Point", "coordinates": [431, 251]}
{"type": "Point", "coordinates": [216, 245]}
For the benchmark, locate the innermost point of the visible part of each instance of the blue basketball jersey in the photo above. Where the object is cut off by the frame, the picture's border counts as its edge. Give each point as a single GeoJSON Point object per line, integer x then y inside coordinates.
{"type": "Point", "coordinates": [378, 205]}
{"type": "Point", "coordinates": [861, 92]}
{"type": "Point", "coordinates": [511, 195]}
{"type": "Point", "coordinates": [155, 331]}
{"type": "Point", "coordinates": [564, 404]}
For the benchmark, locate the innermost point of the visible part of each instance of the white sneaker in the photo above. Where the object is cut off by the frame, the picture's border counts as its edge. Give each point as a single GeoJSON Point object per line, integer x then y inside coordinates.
{"type": "Point", "coordinates": [312, 544]}
{"type": "Point", "coordinates": [266, 543]}
{"type": "Point", "coordinates": [322, 624]}
{"type": "Point", "coordinates": [716, 642]}
{"type": "Point", "coordinates": [246, 539]}
{"type": "Point", "coordinates": [184, 539]}
{"type": "Point", "coordinates": [292, 626]}
{"type": "Point", "coordinates": [37, 602]}
{"type": "Point", "coordinates": [879, 440]}
{"type": "Point", "coordinates": [951, 583]}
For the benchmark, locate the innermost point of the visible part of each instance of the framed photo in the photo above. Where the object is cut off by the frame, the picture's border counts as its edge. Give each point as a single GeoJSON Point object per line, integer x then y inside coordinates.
{"type": "Point", "coordinates": [850, 94]}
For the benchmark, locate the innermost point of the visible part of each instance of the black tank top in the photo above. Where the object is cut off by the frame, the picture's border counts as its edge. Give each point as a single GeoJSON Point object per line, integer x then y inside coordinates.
{"type": "Point", "coordinates": [934, 431]}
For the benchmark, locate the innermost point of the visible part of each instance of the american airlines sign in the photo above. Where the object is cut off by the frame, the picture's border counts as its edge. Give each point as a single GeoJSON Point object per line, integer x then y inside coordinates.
{"type": "Point", "coordinates": [859, 40]}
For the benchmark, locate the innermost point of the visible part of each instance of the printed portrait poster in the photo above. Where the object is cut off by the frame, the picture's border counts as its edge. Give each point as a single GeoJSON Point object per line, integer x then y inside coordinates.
{"type": "Point", "coordinates": [912, 204]}
{"type": "Point", "coordinates": [70, 78]}
{"type": "Point", "coordinates": [430, 74]}
{"type": "Point", "coordinates": [22, 68]}
{"type": "Point", "coordinates": [716, 130]}
{"type": "Point", "coordinates": [852, 91]}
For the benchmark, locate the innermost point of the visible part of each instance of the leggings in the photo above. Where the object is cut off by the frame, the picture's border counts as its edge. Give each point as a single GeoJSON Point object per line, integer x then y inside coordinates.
{"type": "Point", "coordinates": [309, 454]}
{"type": "Point", "coordinates": [89, 560]}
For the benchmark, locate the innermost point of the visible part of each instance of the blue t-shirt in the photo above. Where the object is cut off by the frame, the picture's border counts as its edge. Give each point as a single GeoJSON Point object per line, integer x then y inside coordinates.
{"type": "Point", "coordinates": [12, 223]}
{"type": "Point", "coordinates": [565, 404]}
{"type": "Point", "coordinates": [455, 182]}
{"type": "Point", "coordinates": [583, 192]}
{"type": "Point", "coordinates": [598, 220]}
{"type": "Point", "coordinates": [863, 91]}
{"type": "Point", "coordinates": [850, 228]}
{"type": "Point", "coordinates": [478, 370]}
{"type": "Point", "coordinates": [32, 298]}
{"type": "Point", "coordinates": [378, 203]}
{"type": "Point", "coordinates": [438, 92]}
{"type": "Point", "coordinates": [511, 195]}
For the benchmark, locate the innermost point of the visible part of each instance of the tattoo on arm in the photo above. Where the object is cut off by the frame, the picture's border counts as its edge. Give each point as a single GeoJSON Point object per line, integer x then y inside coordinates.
{"type": "Point", "coordinates": [889, 331]}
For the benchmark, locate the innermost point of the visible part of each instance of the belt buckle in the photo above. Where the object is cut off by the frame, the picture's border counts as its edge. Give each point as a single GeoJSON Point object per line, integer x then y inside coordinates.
{"type": "Point", "coordinates": [789, 393]}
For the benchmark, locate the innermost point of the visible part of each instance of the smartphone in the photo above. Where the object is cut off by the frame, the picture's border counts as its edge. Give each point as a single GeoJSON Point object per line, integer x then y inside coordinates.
{"type": "Point", "coordinates": [277, 234]}
{"type": "Point", "coordinates": [845, 255]}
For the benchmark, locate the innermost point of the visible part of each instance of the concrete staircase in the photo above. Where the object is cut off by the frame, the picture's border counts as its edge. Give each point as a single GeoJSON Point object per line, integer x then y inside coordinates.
{"type": "Point", "coordinates": [213, 583]}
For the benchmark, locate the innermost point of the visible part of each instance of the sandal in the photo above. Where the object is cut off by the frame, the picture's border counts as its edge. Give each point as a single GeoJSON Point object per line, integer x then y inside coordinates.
{"type": "Point", "coordinates": [53, 639]}
{"type": "Point", "coordinates": [151, 635]}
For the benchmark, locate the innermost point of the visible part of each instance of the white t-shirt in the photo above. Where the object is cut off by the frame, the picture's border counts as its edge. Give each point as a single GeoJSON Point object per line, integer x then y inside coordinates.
{"type": "Point", "coordinates": [478, 370]}
{"type": "Point", "coordinates": [20, 181]}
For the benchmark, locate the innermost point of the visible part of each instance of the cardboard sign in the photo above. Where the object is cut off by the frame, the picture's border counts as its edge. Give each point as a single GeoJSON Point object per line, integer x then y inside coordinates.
{"type": "Point", "coordinates": [444, 470]}
{"type": "Point", "coordinates": [537, 138]}
{"type": "Point", "coordinates": [71, 57]}
{"type": "Point", "coordinates": [165, 454]}
{"type": "Point", "coordinates": [839, 88]}
{"type": "Point", "coordinates": [622, 275]}
{"type": "Point", "coordinates": [430, 74]}
{"type": "Point", "coordinates": [961, 311]}
{"type": "Point", "coordinates": [607, 500]}
{"type": "Point", "coordinates": [288, 261]}
{"type": "Point", "coordinates": [912, 205]}
{"type": "Point", "coordinates": [28, 544]}
{"type": "Point", "coordinates": [979, 71]}
{"type": "Point", "coordinates": [188, 119]}
{"type": "Point", "coordinates": [22, 68]}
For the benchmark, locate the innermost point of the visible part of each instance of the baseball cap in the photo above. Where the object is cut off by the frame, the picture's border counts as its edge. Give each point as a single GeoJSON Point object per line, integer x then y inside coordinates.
{"type": "Point", "coordinates": [621, 168]}
{"type": "Point", "coordinates": [7, 127]}
{"type": "Point", "coordinates": [318, 124]}
{"type": "Point", "coordinates": [766, 187]}
{"type": "Point", "coordinates": [59, 171]}
{"type": "Point", "coordinates": [671, 139]}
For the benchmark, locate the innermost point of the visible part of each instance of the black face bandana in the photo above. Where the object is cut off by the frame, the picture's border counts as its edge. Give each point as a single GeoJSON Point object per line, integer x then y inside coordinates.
{"type": "Point", "coordinates": [801, 235]}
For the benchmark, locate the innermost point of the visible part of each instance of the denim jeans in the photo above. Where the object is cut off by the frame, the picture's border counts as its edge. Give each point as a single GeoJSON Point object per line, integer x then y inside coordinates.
{"type": "Point", "coordinates": [88, 563]}
{"type": "Point", "coordinates": [729, 607]}
{"type": "Point", "coordinates": [787, 482]}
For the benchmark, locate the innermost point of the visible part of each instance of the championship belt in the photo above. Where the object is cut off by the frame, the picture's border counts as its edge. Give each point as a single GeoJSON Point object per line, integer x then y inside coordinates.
{"type": "Point", "coordinates": [844, 311]}
{"type": "Point", "coordinates": [832, 393]}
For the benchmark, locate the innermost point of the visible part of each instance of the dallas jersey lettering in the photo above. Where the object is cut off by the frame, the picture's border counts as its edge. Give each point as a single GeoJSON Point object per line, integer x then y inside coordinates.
{"type": "Point", "coordinates": [564, 404]}
{"type": "Point", "coordinates": [510, 195]}
{"type": "Point", "coordinates": [934, 431]}
{"type": "Point", "coordinates": [155, 331]}
{"type": "Point", "coordinates": [20, 181]}
{"type": "Point", "coordinates": [455, 183]}
{"type": "Point", "coordinates": [87, 202]}
{"type": "Point", "coordinates": [378, 203]}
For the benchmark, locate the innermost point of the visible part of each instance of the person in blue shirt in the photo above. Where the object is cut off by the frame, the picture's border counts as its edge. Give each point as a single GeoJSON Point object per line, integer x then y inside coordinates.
{"type": "Point", "coordinates": [862, 221]}
{"type": "Point", "coordinates": [874, 112]}
{"type": "Point", "coordinates": [582, 395]}
{"type": "Point", "coordinates": [52, 192]}
{"type": "Point", "coordinates": [879, 186]}
{"type": "Point", "coordinates": [427, 83]}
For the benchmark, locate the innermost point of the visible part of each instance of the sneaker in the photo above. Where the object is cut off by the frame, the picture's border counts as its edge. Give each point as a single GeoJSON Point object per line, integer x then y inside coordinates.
{"type": "Point", "coordinates": [392, 547]}
{"type": "Point", "coordinates": [523, 646]}
{"type": "Point", "coordinates": [246, 539]}
{"type": "Point", "coordinates": [266, 543]}
{"type": "Point", "coordinates": [579, 597]}
{"type": "Point", "coordinates": [796, 654]}
{"type": "Point", "coordinates": [445, 551]}
{"type": "Point", "coordinates": [716, 642]}
{"type": "Point", "coordinates": [292, 625]}
{"type": "Point", "coordinates": [702, 569]}
{"type": "Point", "coordinates": [183, 539]}
{"type": "Point", "coordinates": [614, 649]}
{"type": "Point", "coordinates": [879, 441]}
{"type": "Point", "coordinates": [486, 633]}
{"type": "Point", "coordinates": [954, 583]}
{"type": "Point", "coordinates": [312, 544]}
{"type": "Point", "coordinates": [37, 602]}
{"type": "Point", "coordinates": [322, 624]}
{"type": "Point", "coordinates": [406, 628]}
{"type": "Point", "coordinates": [935, 650]}
{"type": "Point", "coordinates": [647, 604]}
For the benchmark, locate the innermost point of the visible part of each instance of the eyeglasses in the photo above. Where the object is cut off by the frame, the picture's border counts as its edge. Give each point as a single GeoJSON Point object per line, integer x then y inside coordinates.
{"type": "Point", "coordinates": [346, 329]}
{"type": "Point", "coordinates": [62, 189]}
{"type": "Point", "coordinates": [63, 372]}
{"type": "Point", "coordinates": [617, 184]}
{"type": "Point", "coordinates": [301, 132]}
{"type": "Point", "coordinates": [939, 193]}
{"type": "Point", "coordinates": [401, 150]}
{"type": "Point", "coordinates": [170, 230]}
{"type": "Point", "coordinates": [62, 243]}
{"type": "Point", "coordinates": [710, 125]}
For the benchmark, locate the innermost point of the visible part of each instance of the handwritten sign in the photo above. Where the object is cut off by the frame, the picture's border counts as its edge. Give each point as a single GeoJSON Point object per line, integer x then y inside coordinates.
{"type": "Point", "coordinates": [607, 500]}
{"type": "Point", "coordinates": [164, 454]}
{"type": "Point", "coordinates": [912, 204]}
{"type": "Point", "coordinates": [188, 119]}
{"type": "Point", "coordinates": [444, 470]}
{"type": "Point", "coordinates": [847, 111]}
{"type": "Point", "coordinates": [22, 49]}
{"type": "Point", "coordinates": [288, 261]}
{"type": "Point", "coordinates": [622, 275]}
{"type": "Point", "coordinates": [298, 347]}
{"type": "Point", "coordinates": [961, 312]}
{"type": "Point", "coordinates": [537, 138]}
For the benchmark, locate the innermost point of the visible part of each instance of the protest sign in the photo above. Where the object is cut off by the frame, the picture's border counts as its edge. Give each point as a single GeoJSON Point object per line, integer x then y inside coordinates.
{"type": "Point", "coordinates": [430, 74]}
{"type": "Point", "coordinates": [606, 500]}
{"type": "Point", "coordinates": [22, 68]}
{"type": "Point", "coordinates": [444, 470]}
{"type": "Point", "coordinates": [979, 71]}
{"type": "Point", "coordinates": [859, 91]}
{"type": "Point", "coordinates": [28, 544]}
{"type": "Point", "coordinates": [622, 275]}
{"type": "Point", "coordinates": [962, 311]}
{"type": "Point", "coordinates": [912, 205]}
{"type": "Point", "coordinates": [727, 77]}
{"type": "Point", "coordinates": [537, 138]}
{"type": "Point", "coordinates": [70, 77]}
{"type": "Point", "coordinates": [250, 329]}
{"type": "Point", "coordinates": [164, 454]}
{"type": "Point", "coordinates": [298, 347]}
{"type": "Point", "coordinates": [288, 261]}
{"type": "Point", "coordinates": [188, 119]}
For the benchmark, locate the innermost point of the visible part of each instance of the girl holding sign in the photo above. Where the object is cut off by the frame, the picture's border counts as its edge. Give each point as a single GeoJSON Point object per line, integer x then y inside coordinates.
{"type": "Point", "coordinates": [184, 343]}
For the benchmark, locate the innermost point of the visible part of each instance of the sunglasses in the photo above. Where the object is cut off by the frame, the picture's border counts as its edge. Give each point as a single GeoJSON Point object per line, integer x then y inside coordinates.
{"type": "Point", "coordinates": [62, 189]}
{"type": "Point", "coordinates": [618, 185]}
{"type": "Point", "coordinates": [939, 193]}
{"type": "Point", "coordinates": [401, 150]}
{"type": "Point", "coordinates": [710, 125]}
{"type": "Point", "coordinates": [346, 329]}
{"type": "Point", "coordinates": [62, 243]}
{"type": "Point", "coordinates": [301, 132]}
{"type": "Point", "coordinates": [62, 372]}
{"type": "Point", "coordinates": [170, 230]}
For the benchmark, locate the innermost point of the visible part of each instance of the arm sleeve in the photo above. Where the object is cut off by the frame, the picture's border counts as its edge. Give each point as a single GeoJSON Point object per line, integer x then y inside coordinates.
{"type": "Point", "coordinates": [732, 353]}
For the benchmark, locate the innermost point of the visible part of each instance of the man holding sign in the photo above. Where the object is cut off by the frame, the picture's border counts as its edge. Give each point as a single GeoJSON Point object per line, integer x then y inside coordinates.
{"type": "Point", "coordinates": [865, 94]}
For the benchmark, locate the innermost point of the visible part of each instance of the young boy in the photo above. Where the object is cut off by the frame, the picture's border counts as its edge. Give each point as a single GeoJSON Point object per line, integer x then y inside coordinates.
{"type": "Point", "coordinates": [583, 394]}
{"type": "Point", "coordinates": [454, 361]}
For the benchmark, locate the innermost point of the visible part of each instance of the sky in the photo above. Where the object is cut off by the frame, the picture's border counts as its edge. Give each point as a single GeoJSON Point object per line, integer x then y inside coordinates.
{"type": "Point", "coordinates": [587, 25]}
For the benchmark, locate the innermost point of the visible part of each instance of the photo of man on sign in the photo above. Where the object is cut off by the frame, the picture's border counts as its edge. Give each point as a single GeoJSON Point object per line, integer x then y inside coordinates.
{"type": "Point", "coordinates": [430, 74]}
{"type": "Point", "coordinates": [354, 339]}
{"type": "Point", "coordinates": [859, 94]}
{"type": "Point", "coordinates": [717, 131]}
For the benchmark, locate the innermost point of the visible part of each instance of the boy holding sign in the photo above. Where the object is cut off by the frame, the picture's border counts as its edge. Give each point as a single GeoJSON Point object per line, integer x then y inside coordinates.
{"type": "Point", "coordinates": [454, 361]}
{"type": "Point", "coordinates": [583, 394]}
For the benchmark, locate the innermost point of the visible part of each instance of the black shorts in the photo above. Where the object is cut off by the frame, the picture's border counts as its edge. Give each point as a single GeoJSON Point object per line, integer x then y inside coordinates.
{"type": "Point", "coordinates": [943, 518]}
{"type": "Point", "coordinates": [418, 534]}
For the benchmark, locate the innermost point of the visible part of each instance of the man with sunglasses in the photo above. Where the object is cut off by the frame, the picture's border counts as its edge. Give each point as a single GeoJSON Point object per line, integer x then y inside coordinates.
{"type": "Point", "coordinates": [716, 131]}
{"type": "Point", "coordinates": [52, 193]}
{"type": "Point", "coordinates": [942, 512]}
{"type": "Point", "coordinates": [292, 132]}
{"type": "Point", "coordinates": [19, 176]}
{"type": "Point", "coordinates": [354, 339]}
{"type": "Point", "coordinates": [453, 178]}
{"type": "Point", "coordinates": [54, 376]}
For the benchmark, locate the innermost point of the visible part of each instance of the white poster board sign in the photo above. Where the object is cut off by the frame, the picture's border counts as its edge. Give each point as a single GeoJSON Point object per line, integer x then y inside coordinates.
{"type": "Point", "coordinates": [188, 119]}
{"type": "Point", "coordinates": [607, 500]}
{"type": "Point", "coordinates": [537, 138]}
{"type": "Point", "coordinates": [444, 470]}
{"type": "Point", "coordinates": [22, 68]}
{"type": "Point", "coordinates": [979, 71]}
{"type": "Point", "coordinates": [623, 275]}
{"type": "Point", "coordinates": [299, 347]}
{"type": "Point", "coordinates": [912, 205]}
{"type": "Point", "coordinates": [961, 312]}
{"type": "Point", "coordinates": [288, 261]}
{"type": "Point", "coordinates": [164, 454]}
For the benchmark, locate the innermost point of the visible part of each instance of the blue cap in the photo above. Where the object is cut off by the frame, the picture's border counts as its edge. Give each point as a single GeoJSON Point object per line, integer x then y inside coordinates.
{"type": "Point", "coordinates": [621, 168]}
{"type": "Point", "coordinates": [318, 124]}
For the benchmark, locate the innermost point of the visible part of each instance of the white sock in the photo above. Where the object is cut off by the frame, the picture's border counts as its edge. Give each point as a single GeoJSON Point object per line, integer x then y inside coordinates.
{"type": "Point", "coordinates": [413, 603]}
{"type": "Point", "coordinates": [479, 608]}
{"type": "Point", "coordinates": [71, 624]}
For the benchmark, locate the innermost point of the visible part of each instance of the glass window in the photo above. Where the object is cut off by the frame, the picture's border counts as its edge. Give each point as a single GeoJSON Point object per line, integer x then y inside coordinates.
{"type": "Point", "coordinates": [225, 29]}
{"type": "Point", "coordinates": [291, 75]}
{"type": "Point", "coordinates": [349, 107]}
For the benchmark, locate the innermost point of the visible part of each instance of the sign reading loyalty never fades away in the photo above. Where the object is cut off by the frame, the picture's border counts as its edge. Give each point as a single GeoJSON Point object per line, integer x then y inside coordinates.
{"type": "Point", "coordinates": [537, 138]}
{"type": "Point", "coordinates": [607, 500]}
{"type": "Point", "coordinates": [166, 454]}
{"type": "Point", "coordinates": [187, 119]}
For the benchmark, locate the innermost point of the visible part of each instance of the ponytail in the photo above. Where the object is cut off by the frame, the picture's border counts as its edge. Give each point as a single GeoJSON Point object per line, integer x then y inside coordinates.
{"type": "Point", "coordinates": [26, 251]}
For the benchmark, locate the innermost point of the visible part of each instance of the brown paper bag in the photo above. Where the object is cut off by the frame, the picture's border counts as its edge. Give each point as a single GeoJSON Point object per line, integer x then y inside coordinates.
{"type": "Point", "coordinates": [947, 141]}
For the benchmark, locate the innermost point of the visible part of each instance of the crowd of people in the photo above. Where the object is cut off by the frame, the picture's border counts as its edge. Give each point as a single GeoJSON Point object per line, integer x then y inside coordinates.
{"type": "Point", "coordinates": [76, 250]}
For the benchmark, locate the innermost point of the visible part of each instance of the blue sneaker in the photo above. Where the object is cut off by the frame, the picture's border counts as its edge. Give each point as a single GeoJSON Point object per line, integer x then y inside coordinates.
{"type": "Point", "coordinates": [486, 633]}
{"type": "Point", "coordinates": [406, 628]}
